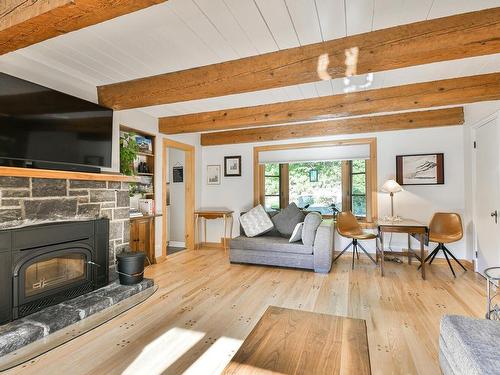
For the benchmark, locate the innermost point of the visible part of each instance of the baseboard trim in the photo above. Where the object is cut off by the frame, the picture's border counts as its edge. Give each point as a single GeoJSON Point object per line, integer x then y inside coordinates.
{"type": "Point", "coordinates": [215, 245]}
{"type": "Point", "coordinates": [176, 244]}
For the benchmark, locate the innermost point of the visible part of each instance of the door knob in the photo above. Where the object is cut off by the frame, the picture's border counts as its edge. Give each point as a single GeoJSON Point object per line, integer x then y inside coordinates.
{"type": "Point", "coordinates": [495, 215]}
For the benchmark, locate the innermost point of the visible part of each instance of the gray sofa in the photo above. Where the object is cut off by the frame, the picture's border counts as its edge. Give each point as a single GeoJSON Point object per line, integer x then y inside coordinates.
{"type": "Point", "coordinates": [469, 346]}
{"type": "Point", "coordinates": [314, 252]}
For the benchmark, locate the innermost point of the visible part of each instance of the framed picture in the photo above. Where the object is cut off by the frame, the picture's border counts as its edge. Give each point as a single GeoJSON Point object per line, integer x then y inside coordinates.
{"type": "Point", "coordinates": [313, 175]}
{"type": "Point", "coordinates": [178, 174]}
{"type": "Point", "coordinates": [232, 166]}
{"type": "Point", "coordinates": [423, 169]}
{"type": "Point", "coordinates": [145, 144]}
{"type": "Point", "coordinates": [213, 174]}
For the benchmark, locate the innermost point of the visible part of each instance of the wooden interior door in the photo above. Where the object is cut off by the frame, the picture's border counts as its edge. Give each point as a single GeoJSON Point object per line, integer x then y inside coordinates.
{"type": "Point", "coordinates": [487, 199]}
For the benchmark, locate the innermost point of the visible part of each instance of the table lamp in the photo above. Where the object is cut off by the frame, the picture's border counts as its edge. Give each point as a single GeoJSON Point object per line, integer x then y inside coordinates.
{"type": "Point", "coordinates": [391, 187]}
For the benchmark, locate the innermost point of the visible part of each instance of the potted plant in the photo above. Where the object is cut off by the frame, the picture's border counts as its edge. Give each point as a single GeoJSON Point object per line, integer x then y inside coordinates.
{"type": "Point", "coordinates": [128, 152]}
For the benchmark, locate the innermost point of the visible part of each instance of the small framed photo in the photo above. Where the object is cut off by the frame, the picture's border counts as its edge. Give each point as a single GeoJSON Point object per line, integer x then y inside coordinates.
{"type": "Point", "coordinates": [213, 174]}
{"type": "Point", "coordinates": [422, 169]}
{"type": "Point", "coordinates": [232, 166]}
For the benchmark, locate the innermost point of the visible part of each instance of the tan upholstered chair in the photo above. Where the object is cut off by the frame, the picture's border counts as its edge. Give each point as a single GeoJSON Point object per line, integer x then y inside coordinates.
{"type": "Point", "coordinates": [445, 228]}
{"type": "Point", "coordinates": [348, 226]}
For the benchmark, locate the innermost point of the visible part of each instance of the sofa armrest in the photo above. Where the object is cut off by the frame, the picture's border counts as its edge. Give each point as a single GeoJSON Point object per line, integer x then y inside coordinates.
{"type": "Point", "coordinates": [323, 248]}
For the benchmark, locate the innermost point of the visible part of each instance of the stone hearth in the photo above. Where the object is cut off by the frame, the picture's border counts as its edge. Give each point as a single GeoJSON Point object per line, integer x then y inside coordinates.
{"type": "Point", "coordinates": [36, 326]}
{"type": "Point", "coordinates": [28, 201]}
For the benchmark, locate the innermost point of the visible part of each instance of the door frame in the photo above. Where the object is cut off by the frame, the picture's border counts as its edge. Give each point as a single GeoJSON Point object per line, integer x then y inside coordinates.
{"type": "Point", "coordinates": [493, 117]}
{"type": "Point", "coordinates": [189, 187]}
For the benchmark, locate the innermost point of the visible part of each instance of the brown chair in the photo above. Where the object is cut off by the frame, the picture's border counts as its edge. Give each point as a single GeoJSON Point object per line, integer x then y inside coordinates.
{"type": "Point", "coordinates": [445, 228]}
{"type": "Point", "coordinates": [348, 226]}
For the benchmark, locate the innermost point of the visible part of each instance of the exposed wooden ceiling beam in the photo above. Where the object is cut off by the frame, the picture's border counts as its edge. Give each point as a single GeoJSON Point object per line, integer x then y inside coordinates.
{"type": "Point", "coordinates": [446, 92]}
{"type": "Point", "coordinates": [23, 23]}
{"type": "Point", "coordinates": [398, 121]}
{"type": "Point", "coordinates": [449, 38]}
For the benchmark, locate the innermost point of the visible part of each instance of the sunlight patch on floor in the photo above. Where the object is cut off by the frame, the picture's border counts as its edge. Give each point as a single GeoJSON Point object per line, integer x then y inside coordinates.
{"type": "Point", "coordinates": [216, 358]}
{"type": "Point", "coordinates": [157, 356]}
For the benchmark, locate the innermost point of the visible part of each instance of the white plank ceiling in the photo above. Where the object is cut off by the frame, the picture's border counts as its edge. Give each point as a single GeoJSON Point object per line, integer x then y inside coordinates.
{"type": "Point", "coordinates": [182, 34]}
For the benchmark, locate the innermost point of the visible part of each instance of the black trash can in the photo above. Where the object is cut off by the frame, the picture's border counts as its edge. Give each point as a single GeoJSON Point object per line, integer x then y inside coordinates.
{"type": "Point", "coordinates": [130, 267]}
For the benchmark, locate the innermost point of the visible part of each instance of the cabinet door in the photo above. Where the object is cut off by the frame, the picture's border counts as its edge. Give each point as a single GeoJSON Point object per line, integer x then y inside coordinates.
{"type": "Point", "coordinates": [143, 236]}
{"type": "Point", "coordinates": [134, 237]}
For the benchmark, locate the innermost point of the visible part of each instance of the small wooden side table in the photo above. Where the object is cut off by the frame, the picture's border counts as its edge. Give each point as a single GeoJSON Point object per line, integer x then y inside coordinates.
{"type": "Point", "coordinates": [410, 227]}
{"type": "Point", "coordinates": [211, 214]}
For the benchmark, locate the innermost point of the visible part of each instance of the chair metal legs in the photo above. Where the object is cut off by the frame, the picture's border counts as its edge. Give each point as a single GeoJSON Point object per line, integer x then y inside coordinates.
{"type": "Point", "coordinates": [355, 252]}
{"type": "Point", "coordinates": [446, 252]}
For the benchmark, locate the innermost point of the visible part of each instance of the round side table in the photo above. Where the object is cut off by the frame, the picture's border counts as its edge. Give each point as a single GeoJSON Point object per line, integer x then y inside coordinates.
{"type": "Point", "coordinates": [492, 285]}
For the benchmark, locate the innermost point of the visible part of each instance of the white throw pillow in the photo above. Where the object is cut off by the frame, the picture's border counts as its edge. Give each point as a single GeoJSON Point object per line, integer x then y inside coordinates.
{"type": "Point", "coordinates": [256, 221]}
{"type": "Point", "coordinates": [297, 233]}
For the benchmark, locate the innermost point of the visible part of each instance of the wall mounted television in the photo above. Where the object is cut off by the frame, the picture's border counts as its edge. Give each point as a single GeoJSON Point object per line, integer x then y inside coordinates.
{"type": "Point", "coordinates": [44, 128]}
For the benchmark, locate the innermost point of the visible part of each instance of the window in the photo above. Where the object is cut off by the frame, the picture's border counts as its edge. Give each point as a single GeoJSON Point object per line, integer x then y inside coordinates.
{"type": "Point", "coordinates": [272, 187]}
{"type": "Point", "coordinates": [316, 186]}
{"type": "Point", "coordinates": [358, 187]}
{"type": "Point", "coordinates": [345, 181]}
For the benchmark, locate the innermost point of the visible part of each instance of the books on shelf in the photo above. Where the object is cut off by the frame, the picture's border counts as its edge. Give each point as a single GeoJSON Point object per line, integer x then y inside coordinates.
{"type": "Point", "coordinates": [135, 213]}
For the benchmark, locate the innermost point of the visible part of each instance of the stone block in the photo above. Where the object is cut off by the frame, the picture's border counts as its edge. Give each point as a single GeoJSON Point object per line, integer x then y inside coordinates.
{"type": "Point", "coordinates": [10, 214]}
{"type": "Point", "coordinates": [121, 213]}
{"type": "Point", "coordinates": [89, 210]}
{"type": "Point", "coordinates": [11, 202]}
{"type": "Point", "coordinates": [81, 184]}
{"type": "Point", "coordinates": [125, 186]}
{"type": "Point", "coordinates": [126, 231]}
{"type": "Point", "coordinates": [78, 193]}
{"type": "Point", "coordinates": [44, 209]}
{"type": "Point", "coordinates": [15, 193]}
{"type": "Point", "coordinates": [83, 200]}
{"type": "Point", "coordinates": [102, 195]}
{"type": "Point", "coordinates": [108, 213]}
{"type": "Point", "coordinates": [14, 182]}
{"type": "Point", "coordinates": [108, 205]}
{"type": "Point", "coordinates": [17, 334]}
{"type": "Point", "coordinates": [115, 230]}
{"type": "Point", "coordinates": [114, 185]}
{"type": "Point", "coordinates": [44, 187]}
{"type": "Point", "coordinates": [122, 199]}
{"type": "Point", "coordinates": [89, 304]}
{"type": "Point", "coordinates": [55, 317]}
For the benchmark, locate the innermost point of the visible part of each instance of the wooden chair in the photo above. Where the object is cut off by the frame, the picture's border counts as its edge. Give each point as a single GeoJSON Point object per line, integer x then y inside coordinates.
{"type": "Point", "coordinates": [348, 226]}
{"type": "Point", "coordinates": [445, 228]}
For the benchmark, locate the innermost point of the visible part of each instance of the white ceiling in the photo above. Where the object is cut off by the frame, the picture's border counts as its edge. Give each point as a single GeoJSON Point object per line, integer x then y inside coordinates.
{"type": "Point", "coordinates": [181, 34]}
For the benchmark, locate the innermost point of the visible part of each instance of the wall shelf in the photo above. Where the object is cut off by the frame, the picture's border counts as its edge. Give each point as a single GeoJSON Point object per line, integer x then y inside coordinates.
{"type": "Point", "coordinates": [47, 173]}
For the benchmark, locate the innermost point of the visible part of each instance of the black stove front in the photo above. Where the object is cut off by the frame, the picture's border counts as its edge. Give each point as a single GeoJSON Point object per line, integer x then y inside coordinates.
{"type": "Point", "coordinates": [46, 264]}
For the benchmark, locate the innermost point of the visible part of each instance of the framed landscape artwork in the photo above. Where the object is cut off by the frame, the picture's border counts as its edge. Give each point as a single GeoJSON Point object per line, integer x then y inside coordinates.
{"type": "Point", "coordinates": [213, 174]}
{"type": "Point", "coordinates": [232, 166]}
{"type": "Point", "coordinates": [422, 169]}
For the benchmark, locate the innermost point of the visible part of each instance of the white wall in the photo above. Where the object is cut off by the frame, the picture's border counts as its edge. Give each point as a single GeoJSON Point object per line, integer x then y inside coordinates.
{"type": "Point", "coordinates": [418, 202]}
{"type": "Point", "coordinates": [176, 210]}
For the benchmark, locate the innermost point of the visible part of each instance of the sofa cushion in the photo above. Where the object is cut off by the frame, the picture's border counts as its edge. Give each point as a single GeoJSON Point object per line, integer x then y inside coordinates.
{"type": "Point", "coordinates": [311, 223]}
{"type": "Point", "coordinates": [469, 345]}
{"type": "Point", "coordinates": [287, 219]}
{"type": "Point", "coordinates": [266, 243]}
{"type": "Point", "coordinates": [273, 232]}
{"type": "Point", "coordinates": [256, 221]}
{"type": "Point", "coordinates": [297, 233]}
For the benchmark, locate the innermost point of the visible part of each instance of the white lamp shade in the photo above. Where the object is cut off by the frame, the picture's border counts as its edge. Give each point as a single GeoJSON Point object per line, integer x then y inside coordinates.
{"type": "Point", "coordinates": [391, 186]}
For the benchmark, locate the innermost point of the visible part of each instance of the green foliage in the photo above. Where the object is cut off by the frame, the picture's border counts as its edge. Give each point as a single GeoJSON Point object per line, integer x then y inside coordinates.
{"type": "Point", "coordinates": [128, 152]}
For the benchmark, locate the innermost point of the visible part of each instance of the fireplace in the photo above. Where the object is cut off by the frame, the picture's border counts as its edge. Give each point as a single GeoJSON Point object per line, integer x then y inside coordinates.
{"type": "Point", "coordinates": [46, 264]}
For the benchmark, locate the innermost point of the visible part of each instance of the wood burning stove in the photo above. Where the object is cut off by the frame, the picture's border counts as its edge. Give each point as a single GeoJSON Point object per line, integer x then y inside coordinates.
{"type": "Point", "coordinates": [45, 264]}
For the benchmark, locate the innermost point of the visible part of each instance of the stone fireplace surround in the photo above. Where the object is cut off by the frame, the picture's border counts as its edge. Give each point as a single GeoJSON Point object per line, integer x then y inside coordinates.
{"type": "Point", "coordinates": [29, 200]}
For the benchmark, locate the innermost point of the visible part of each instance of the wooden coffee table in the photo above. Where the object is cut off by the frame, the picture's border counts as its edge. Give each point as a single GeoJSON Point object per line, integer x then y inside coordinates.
{"type": "Point", "coordinates": [289, 341]}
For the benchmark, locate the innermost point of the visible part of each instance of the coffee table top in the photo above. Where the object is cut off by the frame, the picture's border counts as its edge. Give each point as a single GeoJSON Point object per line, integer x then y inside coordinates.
{"type": "Point", "coordinates": [289, 341]}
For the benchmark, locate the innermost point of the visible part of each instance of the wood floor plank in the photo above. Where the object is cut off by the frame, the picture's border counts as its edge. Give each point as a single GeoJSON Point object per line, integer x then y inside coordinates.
{"type": "Point", "coordinates": [205, 308]}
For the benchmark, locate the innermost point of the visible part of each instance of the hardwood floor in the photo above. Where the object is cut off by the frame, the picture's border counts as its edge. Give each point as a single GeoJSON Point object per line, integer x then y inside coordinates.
{"type": "Point", "coordinates": [205, 308]}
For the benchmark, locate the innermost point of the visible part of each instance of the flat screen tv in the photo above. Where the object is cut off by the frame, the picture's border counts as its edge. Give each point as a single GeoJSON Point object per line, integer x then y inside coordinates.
{"type": "Point", "coordinates": [44, 128]}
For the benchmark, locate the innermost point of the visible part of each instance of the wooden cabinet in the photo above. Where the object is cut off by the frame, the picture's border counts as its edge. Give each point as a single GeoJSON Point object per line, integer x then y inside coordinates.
{"type": "Point", "coordinates": [142, 236]}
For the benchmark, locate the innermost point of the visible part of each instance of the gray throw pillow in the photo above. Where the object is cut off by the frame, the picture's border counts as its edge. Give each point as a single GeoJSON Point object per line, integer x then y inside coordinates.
{"type": "Point", "coordinates": [311, 223]}
{"type": "Point", "coordinates": [286, 221]}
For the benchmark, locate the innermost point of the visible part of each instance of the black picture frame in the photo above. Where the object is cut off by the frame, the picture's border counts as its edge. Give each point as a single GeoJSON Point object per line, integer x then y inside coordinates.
{"type": "Point", "coordinates": [234, 170]}
{"type": "Point", "coordinates": [178, 174]}
{"type": "Point", "coordinates": [400, 169]}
